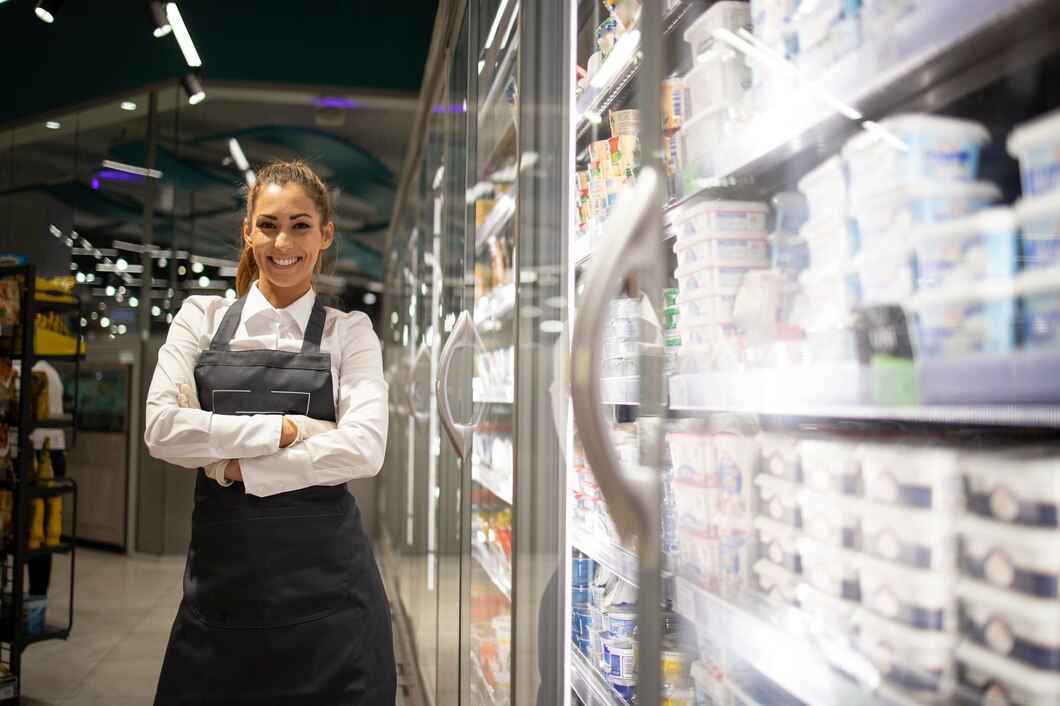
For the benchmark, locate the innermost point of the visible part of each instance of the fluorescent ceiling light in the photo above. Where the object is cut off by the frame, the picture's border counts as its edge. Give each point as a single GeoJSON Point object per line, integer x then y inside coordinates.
{"type": "Point", "coordinates": [53, 125]}
{"type": "Point", "coordinates": [511, 24]}
{"type": "Point", "coordinates": [237, 154]}
{"type": "Point", "coordinates": [621, 53]}
{"type": "Point", "coordinates": [180, 30]}
{"type": "Point", "coordinates": [496, 24]}
{"type": "Point", "coordinates": [122, 167]}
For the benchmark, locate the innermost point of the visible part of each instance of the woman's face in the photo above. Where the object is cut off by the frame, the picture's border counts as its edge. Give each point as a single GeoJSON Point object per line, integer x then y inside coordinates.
{"type": "Point", "coordinates": [286, 236]}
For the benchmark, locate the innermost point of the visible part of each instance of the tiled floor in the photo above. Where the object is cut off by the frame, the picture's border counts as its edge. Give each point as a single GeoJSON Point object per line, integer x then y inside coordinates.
{"type": "Point", "coordinates": [123, 611]}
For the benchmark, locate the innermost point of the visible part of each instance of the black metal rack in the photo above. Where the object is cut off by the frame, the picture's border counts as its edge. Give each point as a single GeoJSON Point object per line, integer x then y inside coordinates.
{"type": "Point", "coordinates": [19, 344]}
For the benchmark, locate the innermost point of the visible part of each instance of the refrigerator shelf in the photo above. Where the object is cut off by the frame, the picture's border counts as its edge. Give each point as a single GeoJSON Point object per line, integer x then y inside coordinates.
{"type": "Point", "coordinates": [618, 560]}
{"type": "Point", "coordinates": [484, 475]}
{"type": "Point", "coordinates": [502, 215]}
{"type": "Point", "coordinates": [589, 683]}
{"type": "Point", "coordinates": [479, 683]}
{"type": "Point", "coordinates": [500, 575]}
{"type": "Point", "coordinates": [937, 41]}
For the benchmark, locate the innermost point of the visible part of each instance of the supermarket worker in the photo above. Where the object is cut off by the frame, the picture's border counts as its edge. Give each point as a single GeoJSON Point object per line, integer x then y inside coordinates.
{"type": "Point", "coordinates": [278, 401]}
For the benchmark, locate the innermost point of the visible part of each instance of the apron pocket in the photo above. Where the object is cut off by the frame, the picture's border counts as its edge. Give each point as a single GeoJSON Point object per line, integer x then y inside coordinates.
{"type": "Point", "coordinates": [269, 567]}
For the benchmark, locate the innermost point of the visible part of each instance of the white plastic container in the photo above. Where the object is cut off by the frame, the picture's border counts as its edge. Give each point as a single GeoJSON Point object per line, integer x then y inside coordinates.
{"type": "Point", "coordinates": [964, 319]}
{"type": "Point", "coordinates": [791, 211]}
{"type": "Point", "coordinates": [1036, 144]}
{"type": "Point", "coordinates": [972, 249]}
{"type": "Point", "coordinates": [780, 456]}
{"type": "Point", "coordinates": [728, 14]}
{"type": "Point", "coordinates": [735, 551]}
{"type": "Point", "coordinates": [779, 499]}
{"type": "Point", "coordinates": [703, 132]}
{"type": "Point", "coordinates": [832, 571]}
{"type": "Point", "coordinates": [927, 478]}
{"type": "Point", "coordinates": [886, 274]}
{"type": "Point", "coordinates": [751, 250]}
{"type": "Point", "coordinates": [938, 149]}
{"type": "Point", "coordinates": [878, 17]}
{"type": "Point", "coordinates": [721, 219]}
{"type": "Point", "coordinates": [829, 299]}
{"type": "Point", "coordinates": [709, 277]}
{"type": "Point", "coordinates": [737, 457]}
{"type": "Point", "coordinates": [1021, 487]}
{"type": "Point", "coordinates": [917, 598]}
{"type": "Point", "coordinates": [1015, 626]}
{"type": "Point", "coordinates": [697, 505]}
{"type": "Point", "coordinates": [692, 456]}
{"type": "Point", "coordinates": [1039, 291]}
{"type": "Point", "coordinates": [824, 41]}
{"type": "Point", "coordinates": [830, 466]}
{"type": "Point", "coordinates": [717, 78]}
{"type": "Point", "coordinates": [1039, 223]}
{"type": "Point", "coordinates": [699, 558]}
{"type": "Point", "coordinates": [831, 241]}
{"type": "Point", "coordinates": [825, 188]}
{"type": "Point", "coordinates": [999, 680]}
{"type": "Point", "coordinates": [776, 582]}
{"type": "Point", "coordinates": [704, 307]}
{"type": "Point", "coordinates": [831, 519]}
{"type": "Point", "coordinates": [888, 216]}
{"type": "Point", "coordinates": [1022, 559]}
{"type": "Point", "coordinates": [920, 660]}
{"type": "Point", "coordinates": [709, 689]}
{"type": "Point", "coordinates": [921, 539]}
{"type": "Point", "coordinates": [778, 542]}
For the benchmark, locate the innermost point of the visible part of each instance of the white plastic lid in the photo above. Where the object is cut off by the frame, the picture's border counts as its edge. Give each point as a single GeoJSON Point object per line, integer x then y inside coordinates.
{"type": "Point", "coordinates": [1023, 677]}
{"type": "Point", "coordinates": [713, 15]}
{"type": "Point", "coordinates": [926, 190]}
{"type": "Point", "coordinates": [936, 125]}
{"type": "Point", "coordinates": [1043, 129]}
{"type": "Point", "coordinates": [1040, 540]}
{"type": "Point", "coordinates": [1038, 208]}
{"type": "Point", "coordinates": [727, 206]}
{"type": "Point", "coordinates": [993, 220]}
{"type": "Point", "coordinates": [962, 291]}
{"type": "Point", "coordinates": [682, 244]}
{"type": "Point", "coordinates": [1029, 608]}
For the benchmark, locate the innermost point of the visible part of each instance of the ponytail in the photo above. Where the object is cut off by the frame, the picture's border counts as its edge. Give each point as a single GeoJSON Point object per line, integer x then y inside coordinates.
{"type": "Point", "coordinates": [246, 271]}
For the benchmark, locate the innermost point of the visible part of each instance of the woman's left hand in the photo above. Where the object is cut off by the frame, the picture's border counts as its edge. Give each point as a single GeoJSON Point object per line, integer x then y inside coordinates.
{"type": "Point", "coordinates": [233, 472]}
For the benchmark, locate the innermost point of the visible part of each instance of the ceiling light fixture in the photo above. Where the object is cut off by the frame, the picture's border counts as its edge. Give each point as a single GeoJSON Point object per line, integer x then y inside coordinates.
{"type": "Point", "coordinates": [156, 15]}
{"type": "Point", "coordinates": [53, 125]}
{"type": "Point", "coordinates": [193, 87]}
{"type": "Point", "coordinates": [180, 30]}
{"type": "Point", "coordinates": [237, 154]}
{"type": "Point", "coordinates": [128, 105]}
{"type": "Point", "coordinates": [47, 9]}
{"type": "Point", "coordinates": [122, 167]}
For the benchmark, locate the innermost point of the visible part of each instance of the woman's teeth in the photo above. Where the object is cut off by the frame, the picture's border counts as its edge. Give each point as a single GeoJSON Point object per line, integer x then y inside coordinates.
{"type": "Point", "coordinates": [285, 262]}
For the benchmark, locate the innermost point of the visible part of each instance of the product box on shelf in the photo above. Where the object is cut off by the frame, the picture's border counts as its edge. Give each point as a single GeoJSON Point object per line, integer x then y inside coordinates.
{"type": "Point", "coordinates": [979, 247]}
{"type": "Point", "coordinates": [830, 466]}
{"type": "Point", "coordinates": [703, 132]}
{"type": "Point", "coordinates": [1039, 293]}
{"type": "Point", "coordinates": [719, 77]}
{"type": "Point", "coordinates": [736, 457]}
{"type": "Point", "coordinates": [777, 582]}
{"type": "Point", "coordinates": [778, 499]}
{"type": "Point", "coordinates": [915, 597]}
{"type": "Point", "coordinates": [721, 219]}
{"type": "Point", "coordinates": [995, 679]}
{"type": "Point", "coordinates": [780, 456]}
{"type": "Point", "coordinates": [963, 319]}
{"type": "Point", "coordinates": [922, 539]}
{"type": "Point", "coordinates": [919, 477]}
{"type": "Point", "coordinates": [919, 660]}
{"type": "Point", "coordinates": [1019, 486]}
{"type": "Point", "coordinates": [886, 274]}
{"type": "Point", "coordinates": [1016, 626]}
{"type": "Point", "coordinates": [1039, 224]}
{"type": "Point", "coordinates": [831, 241]}
{"type": "Point", "coordinates": [833, 571]}
{"type": "Point", "coordinates": [727, 14]}
{"type": "Point", "coordinates": [1036, 144]}
{"type": "Point", "coordinates": [704, 307]}
{"type": "Point", "coordinates": [830, 519]}
{"type": "Point", "coordinates": [778, 542]}
{"type": "Point", "coordinates": [1021, 559]}
{"type": "Point", "coordinates": [675, 104]}
{"type": "Point", "coordinates": [710, 277]}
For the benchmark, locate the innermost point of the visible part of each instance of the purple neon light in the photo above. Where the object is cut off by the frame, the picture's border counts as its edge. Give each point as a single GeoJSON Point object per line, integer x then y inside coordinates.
{"type": "Point", "coordinates": [94, 183]}
{"type": "Point", "coordinates": [330, 102]}
{"type": "Point", "coordinates": [115, 175]}
{"type": "Point", "coordinates": [454, 108]}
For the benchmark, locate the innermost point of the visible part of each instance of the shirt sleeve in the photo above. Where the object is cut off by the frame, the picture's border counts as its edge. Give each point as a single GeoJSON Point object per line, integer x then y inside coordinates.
{"type": "Point", "coordinates": [192, 437]}
{"type": "Point", "coordinates": [355, 448]}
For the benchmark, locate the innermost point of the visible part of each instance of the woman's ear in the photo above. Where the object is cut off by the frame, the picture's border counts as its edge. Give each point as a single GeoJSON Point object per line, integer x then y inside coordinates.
{"type": "Point", "coordinates": [328, 235]}
{"type": "Point", "coordinates": [246, 232]}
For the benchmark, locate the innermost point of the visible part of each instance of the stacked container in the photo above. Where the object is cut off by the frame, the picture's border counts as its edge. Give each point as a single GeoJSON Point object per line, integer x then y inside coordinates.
{"type": "Point", "coordinates": [613, 165]}
{"type": "Point", "coordinates": [619, 380]}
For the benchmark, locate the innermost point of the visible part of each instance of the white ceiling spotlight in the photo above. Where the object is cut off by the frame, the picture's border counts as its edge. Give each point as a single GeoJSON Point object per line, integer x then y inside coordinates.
{"type": "Point", "coordinates": [241, 161]}
{"type": "Point", "coordinates": [128, 105]}
{"type": "Point", "coordinates": [180, 31]}
{"type": "Point", "coordinates": [193, 87]}
{"type": "Point", "coordinates": [47, 9]}
{"type": "Point", "coordinates": [156, 15]}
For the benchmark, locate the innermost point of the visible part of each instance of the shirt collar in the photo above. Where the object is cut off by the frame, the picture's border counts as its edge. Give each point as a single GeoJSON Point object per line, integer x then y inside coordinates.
{"type": "Point", "coordinates": [299, 310]}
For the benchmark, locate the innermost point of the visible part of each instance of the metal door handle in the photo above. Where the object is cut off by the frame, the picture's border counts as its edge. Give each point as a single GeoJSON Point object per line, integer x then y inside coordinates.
{"type": "Point", "coordinates": [628, 491]}
{"type": "Point", "coordinates": [459, 434]}
{"type": "Point", "coordinates": [423, 355]}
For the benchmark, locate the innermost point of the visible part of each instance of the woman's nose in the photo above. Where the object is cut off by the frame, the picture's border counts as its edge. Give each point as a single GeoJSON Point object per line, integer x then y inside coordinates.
{"type": "Point", "coordinates": [282, 239]}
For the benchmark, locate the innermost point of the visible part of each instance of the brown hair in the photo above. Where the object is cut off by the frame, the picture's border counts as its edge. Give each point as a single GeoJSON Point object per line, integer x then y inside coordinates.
{"type": "Point", "coordinates": [281, 174]}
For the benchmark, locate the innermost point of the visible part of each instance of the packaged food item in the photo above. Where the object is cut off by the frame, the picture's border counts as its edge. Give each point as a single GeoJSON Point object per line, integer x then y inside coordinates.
{"type": "Point", "coordinates": [728, 14]}
{"type": "Point", "coordinates": [938, 149]}
{"type": "Point", "coordinates": [751, 250]}
{"type": "Point", "coordinates": [830, 570]}
{"type": "Point", "coordinates": [971, 249]}
{"type": "Point", "coordinates": [912, 476]}
{"type": "Point", "coordinates": [920, 660]}
{"type": "Point", "coordinates": [734, 552]}
{"type": "Point", "coordinates": [886, 274]}
{"type": "Point", "coordinates": [830, 466]}
{"type": "Point", "coordinates": [696, 504]}
{"type": "Point", "coordinates": [1023, 559]}
{"type": "Point", "coordinates": [830, 241]}
{"type": "Point", "coordinates": [994, 679]}
{"type": "Point", "coordinates": [827, 30]}
{"type": "Point", "coordinates": [780, 456]}
{"type": "Point", "coordinates": [791, 211]}
{"type": "Point", "coordinates": [737, 457]}
{"type": "Point", "coordinates": [777, 582]}
{"type": "Point", "coordinates": [778, 499]}
{"type": "Point", "coordinates": [717, 78]}
{"type": "Point", "coordinates": [963, 319]}
{"type": "Point", "coordinates": [1019, 486]}
{"type": "Point", "coordinates": [699, 557]}
{"type": "Point", "coordinates": [1039, 224]}
{"type": "Point", "coordinates": [917, 598]}
{"type": "Point", "coordinates": [721, 219]}
{"type": "Point", "coordinates": [778, 542]}
{"type": "Point", "coordinates": [1021, 628]}
{"type": "Point", "coordinates": [922, 539]}
{"type": "Point", "coordinates": [1036, 144]}
{"type": "Point", "coordinates": [1039, 293]}
{"type": "Point", "coordinates": [702, 133]}
{"type": "Point", "coordinates": [710, 277]}
{"type": "Point", "coordinates": [624, 122]}
{"type": "Point", "coordinates": [692, 456]}
{"type": "Point", "coordinates": [703, 307]}
{"type": "Point", "coordinates": [825, 188]}
{"type": "Point", "coordinates": [675, 106]}
{"type": "Point", "coordinates": [830, 519]}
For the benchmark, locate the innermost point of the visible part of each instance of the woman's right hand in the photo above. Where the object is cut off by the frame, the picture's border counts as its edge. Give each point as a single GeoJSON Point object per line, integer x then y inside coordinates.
{"type": "Point", "coordinates": [288, 432]}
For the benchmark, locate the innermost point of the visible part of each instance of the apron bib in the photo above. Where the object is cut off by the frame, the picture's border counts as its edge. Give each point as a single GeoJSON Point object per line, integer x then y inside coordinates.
{"type": "Point", "coordinates": [283, 603]}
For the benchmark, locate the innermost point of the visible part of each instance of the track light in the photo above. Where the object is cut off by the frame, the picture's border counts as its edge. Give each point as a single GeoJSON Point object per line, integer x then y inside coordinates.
{"type": "Point", "coordinates": [193, 87]}
{"type": "Point", "coordinates": [46, 10]}
{"type": "Point", "coordinates": [180, 30]}
{"type": "Point", "coordinates": [156, 15]}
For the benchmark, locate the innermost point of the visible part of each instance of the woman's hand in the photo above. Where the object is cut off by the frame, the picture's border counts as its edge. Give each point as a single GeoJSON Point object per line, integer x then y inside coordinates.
{"type": "Point", "coordinates": [233, 472]}
{"type": "Point", "coordinates": [288, 432]}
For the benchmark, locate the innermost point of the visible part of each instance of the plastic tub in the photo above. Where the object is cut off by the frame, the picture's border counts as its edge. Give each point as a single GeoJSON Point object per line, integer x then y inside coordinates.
{"type": "Point", "coordinates": [779, 499]}
{"type": "Point", "coordinates": [842, 37]}
{"type": "Point", "coordinates": [789, 252]}
{"type": "Point", "coordinates": [1022, 559]}
{"type": "Point", "coordinates": [1021, 487]}
{"type": "Point", "coordinates": [965, 319]}
{"type": "Point", "coordinates": [938, 149]}
{"type": "Point", "coordinates": [703, 131]}
{"type": "Point", "coordinates": [699, 557]}
{"type": "Point", "coordinates": [621, 620]}
{"type": "Point", "coordinates": [886, 274]}
{"type": "Point", "coordinates": [780, 456]}
{"type": "Point", "coordinates": [830, 466]}
{"type": "Point", "coordinates": [777, 582]}
{"type": "Point", "coordinates": [927, 478]}
{"type": "Point", "coordinates": [830, 519]}
{"type": "Point", "coordinates": [998, 680]}
{"type": "Point", "coordinates": [831, 240]}
{"type": "Point", "coordinates": [716, 78]}
{"type": "Point", "coordinates": [778, 542]}
{"type": "Point", "coordinates": [829, 298]}
{"type": "Point", "coordinates": [703, 306]}
{"type": "Point", "coordinates": [824, 19]}
{"type": "Point", "coordinates": [832, 571]}
{"type": "Point", "coordinates": [692, 456]}
{"type": "Point", "coordinates": [1039, 222]}
{"type": "Point", "coordinates": [708, 277]}
{"type": "Point", "coordinates": [791, 211]}
{"type": "Point", "coordinates": [889, 216]}
{"type": "Point", "coordinates": [737, 457]}
{"type": "Point", "coordinates": [981, 246]}
{"type": "Point", "coordinates": [747, 251]}
{"type": "Point", "coordinates": [728, 14]}
{"type": "Point", "coordinates": [920, 660]}
{"type": "Point", "coordinates": [918, 538]}
{"type": "Point", "coordinates": [734, 552]}
{"type": "Point", "coordinates": [721, 219]}
{"type": "Point", "coordinates": [696, 505]}
{"type": "Point", "coordinates": [582, 570]}
{"type": "Point", "coordinates": [1039, 291]}
{"type": "Point", "coordinates": [825, 188]}
{"type": "Point", "coordinates": [917, 598]}
{"type": "Point", "coordinates": [1036, 144]}
{"type": "Point", "coordinates": [1021, 628]}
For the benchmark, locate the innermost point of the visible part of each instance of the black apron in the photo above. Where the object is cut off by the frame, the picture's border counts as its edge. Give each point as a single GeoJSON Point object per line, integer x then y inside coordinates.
{"type": "Point", "coordinates": [283, 602]}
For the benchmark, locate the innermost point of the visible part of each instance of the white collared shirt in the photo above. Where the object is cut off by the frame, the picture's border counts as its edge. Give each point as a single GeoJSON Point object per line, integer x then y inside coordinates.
{"type": "Point", "coordinates": [194, 438]}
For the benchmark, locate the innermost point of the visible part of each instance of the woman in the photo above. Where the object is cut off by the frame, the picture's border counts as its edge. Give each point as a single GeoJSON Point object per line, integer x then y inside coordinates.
{"type": "Point", "coordinates": [278, 402]}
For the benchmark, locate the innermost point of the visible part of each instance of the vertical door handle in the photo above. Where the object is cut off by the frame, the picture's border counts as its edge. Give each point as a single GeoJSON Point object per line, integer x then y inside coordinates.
{"type": "Point", "coordinates": [463, 335]}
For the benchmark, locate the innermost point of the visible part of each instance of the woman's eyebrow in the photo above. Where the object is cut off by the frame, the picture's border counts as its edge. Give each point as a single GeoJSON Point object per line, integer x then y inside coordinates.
{"type": "Point", "coordinates": [301, 215]}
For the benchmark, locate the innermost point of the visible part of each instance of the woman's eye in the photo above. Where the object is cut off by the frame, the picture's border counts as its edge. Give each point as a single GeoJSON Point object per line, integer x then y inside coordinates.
{"type": "Point", "coordinates": [265, 224]}
{"type": "Point", "coordinates": [301, 225]}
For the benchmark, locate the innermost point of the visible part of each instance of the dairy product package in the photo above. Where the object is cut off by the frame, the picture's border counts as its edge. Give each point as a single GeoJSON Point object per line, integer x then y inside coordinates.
{"type": "Point", "coordinates": [830, 519]}
{"type": "Point", "coordinates": [717, 78]}
{"type": "Point", "coordinates": [830, 466]}
{"type": "Point", "coordinates": [751, 250]}
{"type": "Point", "coordinates": [1021, 559]}
{"type": "Point", "coordinates": [886, 274]}
{"type": "Point", "coordinates": [698, 557]}
{"type": "Point", "coordinates": [971, 249]}
{"type": "Point", "coordinates": [777, 582]}
{"type": "Point", "coordinates": [921, 539]}
{"type": "Point", "coordinates": [674, 103]}
{"type": "Point", "coordinates": [963, 319]}
{"type": "Point", "coordinates": [831, 241]}
{"type": "Point", "coordinates": [1021, 628]}
{"type": "Point", "coordinates": [842, 36]}
{"type": "Point", "coordinates": [920, 660]}
{"type": "Point", "coordinates": [828, 299]}
{"type": "Point", "coordinates": [832, 571]}
{"type": "Point", "coordinates": [937, 149]}
{"type": "Point", "coordinates": [1020, 486]}
{"type": "Point", "coordinates": [721, 219]}
{"type": "Point", "coordinates": [1039, 224]}
{"type": "Point", "coordinates": [728, 14]}
{"type": "Point", "coordinates": [692, 456]}
{"type": "Point", "coordinates": [825, 188]}
{"type": "Point", "coordinates": [779, 499]}
{"type": "Point", "coordinates": [994, 679]}
{"type": "Point", "coordinates": [737, 457]}
{"type": "Point", "coordinates": [735, 551]}
{"type": "Point", "coordinates": [780, 456]}
{"type": "Point", "coordinates": [697, 505]}
{"type": "Point", "coordinates": [704, 308]}
{"type": "Point", "coordinates": [706, 276]}
{"type": "Point", "coordinates": [1039, 293]}
{"type": "Point", "coordinates": [778, 542]}
{"type": "Point", "coordinates": [919, 477]}
{"type": "Point", "coordinates": [920, 599]}
{"type": "Point", "coordinates": [1036, 144]}
{"type": "Point", "coordinates": [703, 132]}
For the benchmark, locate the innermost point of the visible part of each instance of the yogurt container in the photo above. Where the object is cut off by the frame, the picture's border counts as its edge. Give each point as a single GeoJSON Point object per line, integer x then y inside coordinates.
{"type": "Point", "coordinates": [1036, 144]}
{"type": "Point", "coordinates": [699, 558]}
{"type": "Point", "coordinates": [621, 620]}
{"type": "Point", "coordinates": [1022, 559]}
{"type": "Point", "coordinates": [791, 211]}
{"type": "Point", "coordinates": [1039, 293]}
{"type": "Point", "coordinates": [1039, 223]}
{"type": "Point", "coordinates": [834, 572]}
{"type": "Point", "coordinates": [706, 276]}
{"type": "Point", "coordinates": [841, 37]}
{"type": "Point", "coordinates": [779, 499]}
{"type": "Point", "coordinates": [778, 543]}
{"type": "Point", "coordinates": [920, 539]}
{"type": "Point", "coordinates": [703, 131]}
{"type": "Point", "coordinates": [917, 598]}
{"type": "Point", "coordinates": [721, 219]}
{"type": "Point", "coordinates": [830, 518]}
{"type": "Point", "coordinates": [938, 149]}
{"type": "Point", "coordinates": [830, 466]}
{"type": "Point", "coordinates": [734, 552]}
{"type": "Point", "coordinates": [889, 215]}
{"type": "Point", "coordinates": [920, 660]}
{"type": "Point", "coordinates": [626, 687]}
{"type": "Point", "coordinates": [780, 456]}
{"type": "Point", "coordinates": [709, 688]}
{"type": "Point", "coordinates": [915, 477]}
{"type": "Point", "coordinates": [963, 319]}
{"type": "Point", "coordinates": [704, 307]}
{"type": "Point", "coordinates": [886, 274]}
{"type": "Point", "coordinates": [751, 250]}
{"type": "Point", "coordinates": [728, 15]}
{"type": "Point", "coordinates": [1023, 629]}
{"type": "Point", "coordinates": [825, 188]}
{"type": "Point", "coordinates": [737, 456]}
{"type": "Point", "coordinates": [620, 661]}
{"type": "Point", "coordinates": [692, 456]}
{"type": "Point", "coordinates": [831, 240]}
{"type": "Point", "coordinates": [777, 583]}
{"type": "Point", "coordinates": [1002, 681]}
{"type": "Point", "coordinates": [675, 103]}
{"type": "Point", "coordinates": [1021, 487]}
{"type": "Point", "coordinates": [972, 249]}
{"type": "Point", "coordinates": [696, 504]}
{"type": "Point", "coordinates": [717, 77]}
{"type": "Point", "coordinates": [829, 299]}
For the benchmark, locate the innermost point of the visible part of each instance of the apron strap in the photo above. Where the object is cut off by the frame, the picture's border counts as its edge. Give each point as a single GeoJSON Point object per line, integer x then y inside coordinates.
{"type": "Point", "coordinates": [314, 331]}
